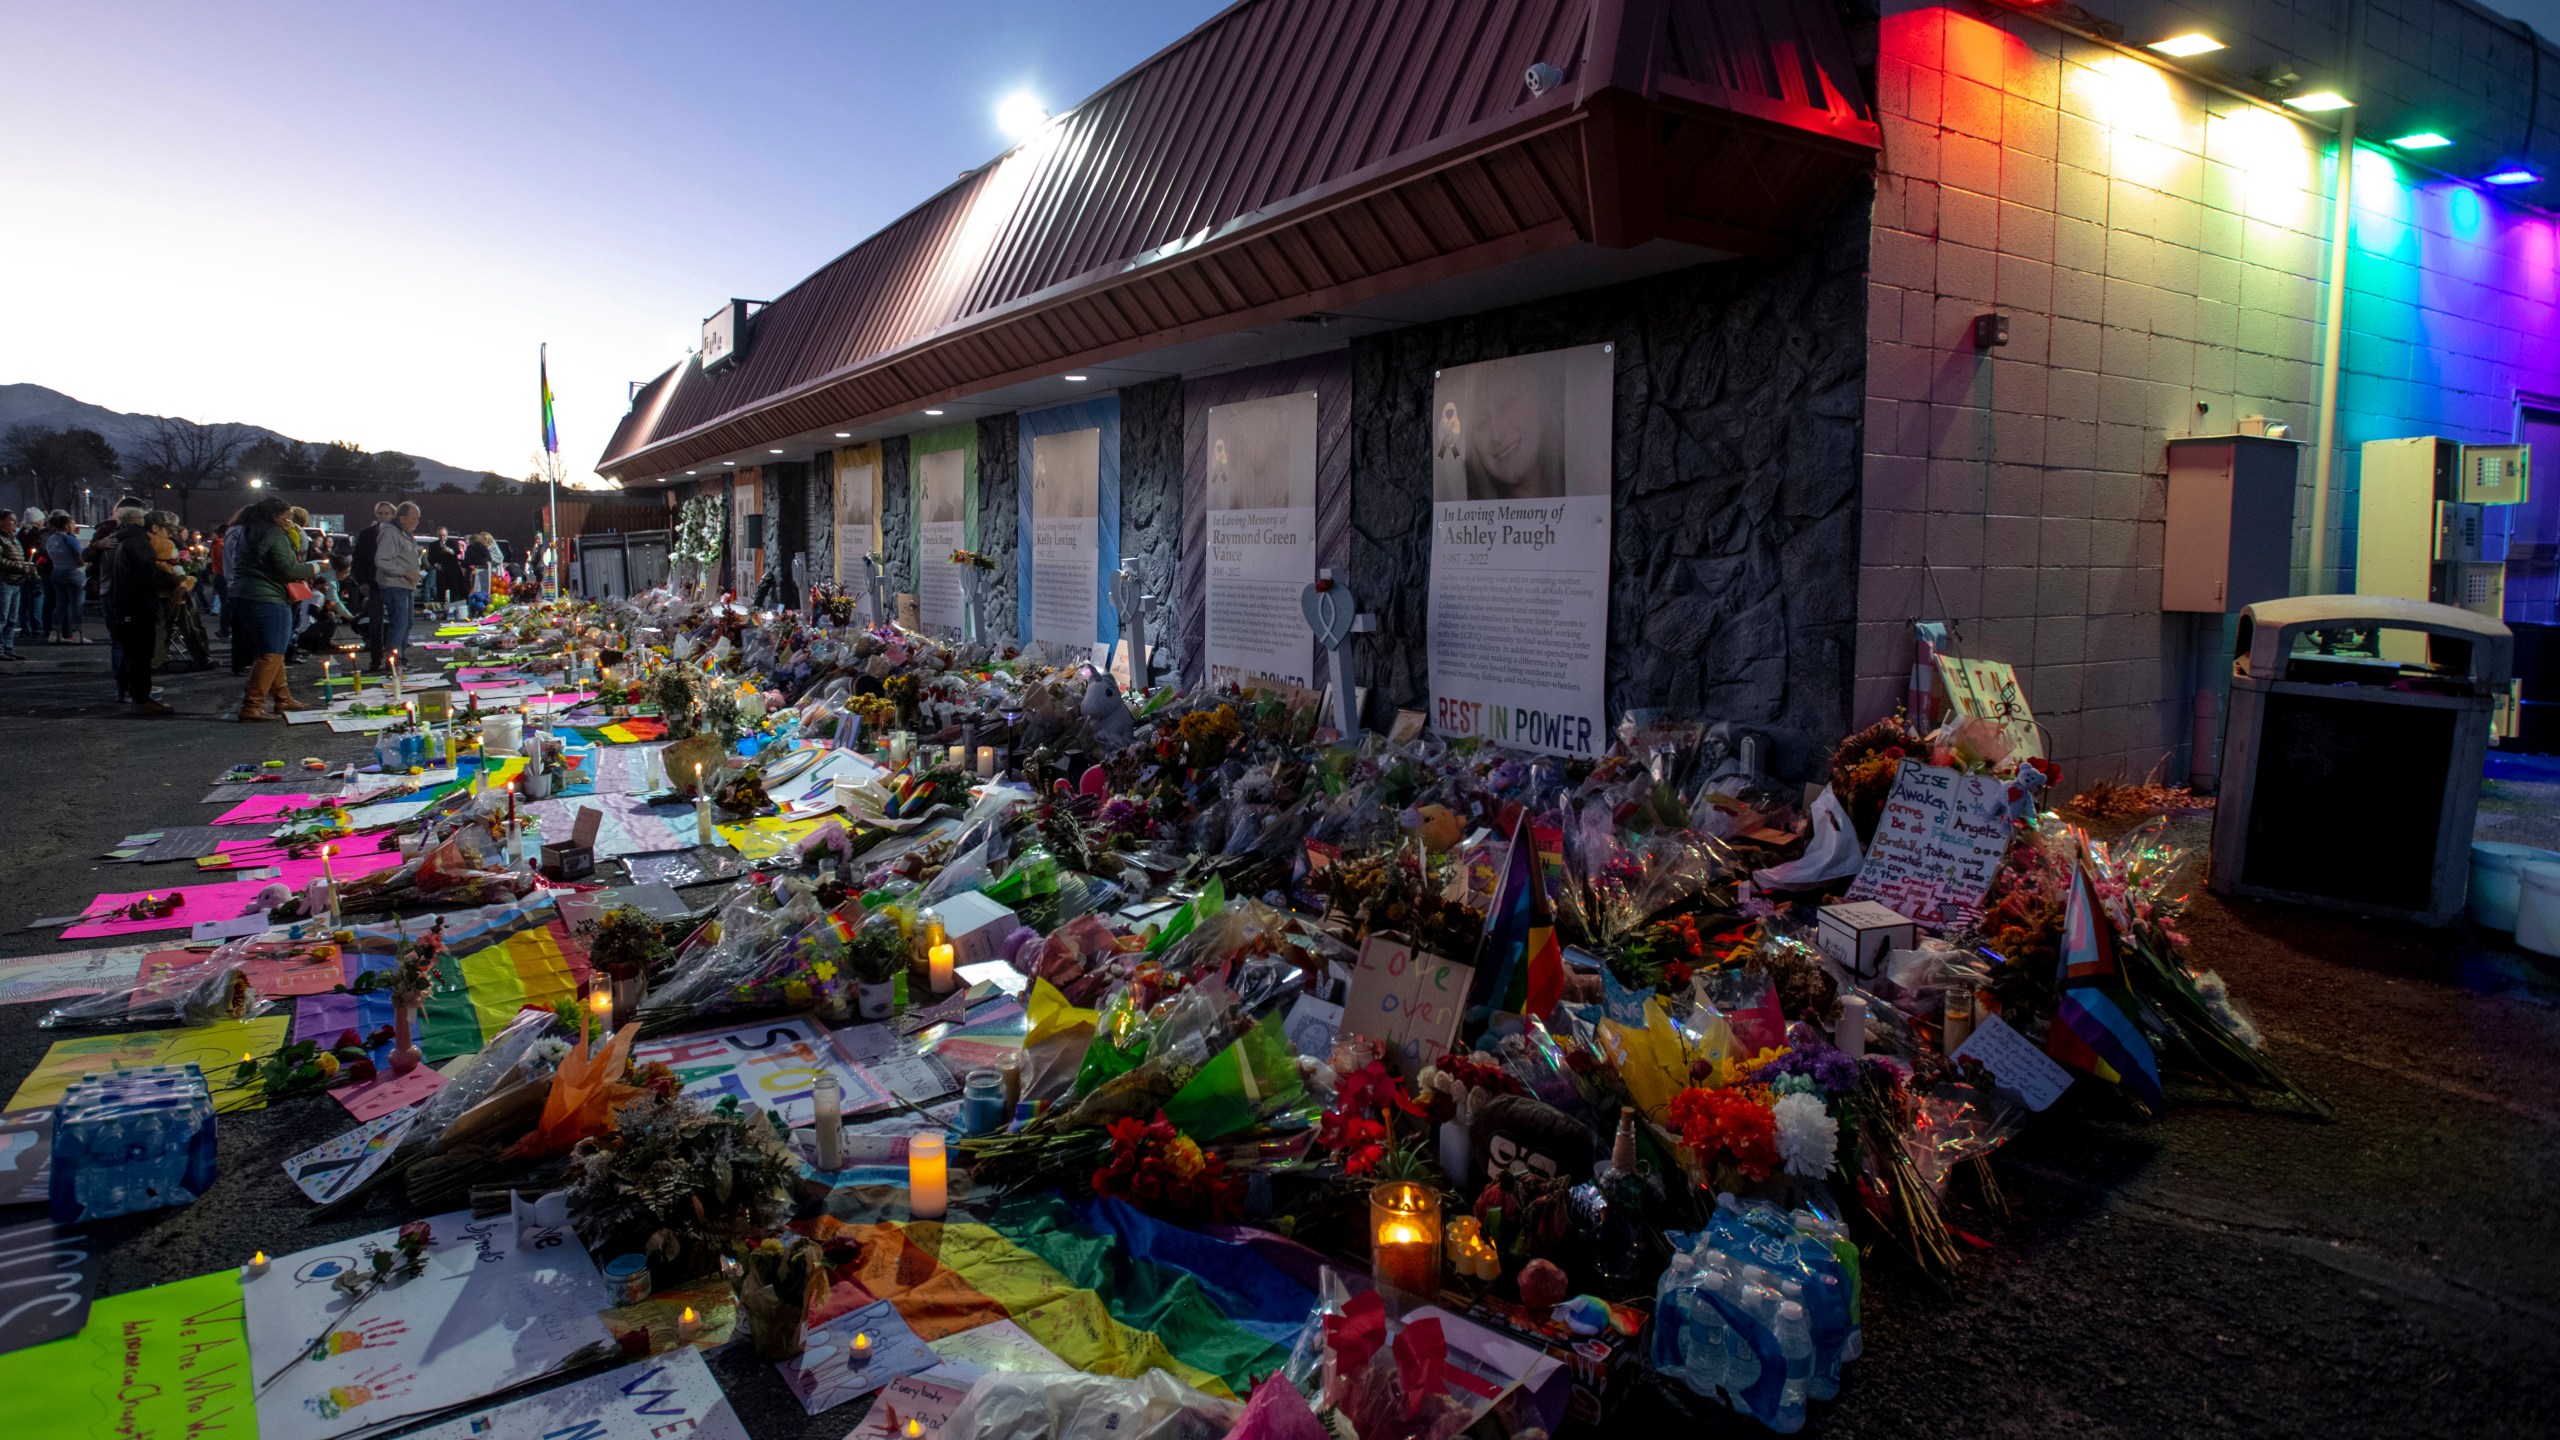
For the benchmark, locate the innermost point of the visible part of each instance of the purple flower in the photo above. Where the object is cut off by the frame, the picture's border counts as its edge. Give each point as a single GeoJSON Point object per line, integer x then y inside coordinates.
{"type": "Point", "coordinates": [1810, 1056]}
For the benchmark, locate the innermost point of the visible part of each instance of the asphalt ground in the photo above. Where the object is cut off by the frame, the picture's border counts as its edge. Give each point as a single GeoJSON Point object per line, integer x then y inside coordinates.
{"type": "Point", "coordinates": [2389, 1273]}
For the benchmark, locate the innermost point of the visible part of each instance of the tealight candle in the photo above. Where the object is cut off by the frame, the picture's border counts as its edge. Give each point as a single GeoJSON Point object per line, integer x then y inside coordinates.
{"type": "Point", "coordinates": [928, 1176]}
{"type": "Point", "coordinates": [859, 1352]}
{"type": "Point", "coordinates": [688, 1325]}
{"type": "Point", "coordinates": [914, 1429]}
{"type": "Point", "coordinates": [938, 969]}
{"type": "Point", "coordinates": [257, 1266]}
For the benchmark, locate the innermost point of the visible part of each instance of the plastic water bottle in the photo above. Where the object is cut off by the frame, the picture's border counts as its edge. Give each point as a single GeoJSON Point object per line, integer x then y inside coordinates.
{"type": "Point", "coordinates": [1709, 1337]}
{"type": "Point", "coordinates": [1795, 1342]}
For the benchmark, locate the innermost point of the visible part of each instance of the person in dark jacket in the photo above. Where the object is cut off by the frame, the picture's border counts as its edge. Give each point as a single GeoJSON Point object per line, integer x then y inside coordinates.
{"type": "Point", "coordinates": [267, 564]}
{"type": "Point", "coordinates": [136, 587]}
{"type": "Point", "coordinates": [447, 565]}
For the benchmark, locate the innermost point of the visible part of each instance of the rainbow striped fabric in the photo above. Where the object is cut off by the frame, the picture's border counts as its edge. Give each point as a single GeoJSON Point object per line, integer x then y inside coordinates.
{"type": "Point", "coordinates": [1105, 1287]}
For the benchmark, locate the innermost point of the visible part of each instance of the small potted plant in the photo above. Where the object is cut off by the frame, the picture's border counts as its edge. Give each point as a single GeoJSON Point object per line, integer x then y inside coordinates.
{"type": "Point", "coordinates": [681, 1182]}
{"type": "Point", "coordinates": [628, 947]}
{"type": "Point", "coordinates": [776, 1280]}
{"type": "Point", "coordinates": [878, 953]}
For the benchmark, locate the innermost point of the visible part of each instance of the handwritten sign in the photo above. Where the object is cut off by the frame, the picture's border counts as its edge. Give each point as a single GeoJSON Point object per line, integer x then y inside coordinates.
{"type": "Point", "coordinates": [773, 1065]}
{"type": "Point", "coordinates": [1406, 1000]}
{"type": "Point", "coordinates": [167, 1361]}
{"type": "Point", "coordinates": [1938, 843]}
{"type": "Point", "coordinates": [928, 1399]}
{"type": "Point", "coordinates": [47, 1273]}
{"type": "Point", "coordinates": [2016, 1065]}
{"type": "Point", "coordinates": [674, 1394]}
{"type": "Point", "coordinates": [1989, 690]}
{"type": "Point", "coordinates": [485, 1317]}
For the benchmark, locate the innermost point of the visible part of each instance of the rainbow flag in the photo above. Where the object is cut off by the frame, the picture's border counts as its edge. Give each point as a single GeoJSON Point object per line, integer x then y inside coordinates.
{"type": "Point", "coordinates": [2093, 1029]}
{"type": "Point", "coordinates": [550, 426]}
{"type": "Point", "coordinates": [497, 960]}
{"type": "Point", "coordinates": [1520, 966]}
{"type": "Point", "coordinates": [1108, 1289]}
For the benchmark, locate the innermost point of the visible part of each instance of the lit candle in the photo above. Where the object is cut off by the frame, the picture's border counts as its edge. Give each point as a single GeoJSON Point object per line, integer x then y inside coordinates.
{"type": "Point", "coordinates": [1404, 1245]}
{"type": "Point", "coordinates": [928, 1177]}
{"type": "Point", "coordinates": [257, 1266]}
{"type": "Point", "coordinates": [938, 969]}
{"type": "Point", "coordinates": [831, 1125]}
{"type": "Point", "coordinates": [960, 757]}
{"type": "Point", "coordinates": [914, 1429]}
{"type": "Point", "coordinates": [703, 833]}
{"type": "Point", "coordinates": [931, 920]}
{"type": "Point", "coordinates": [602, 1003]}
{"type": "Point", "coordinates": [986, 762]}
{"type": "Point", "coordinates": [688, 1325]}
{"type": "Point", "coordinates": [329, 877]}
{"type": "Point", "coordinates": [395, 679]}
{"type": "Point", "coordinates": [859, 1352]}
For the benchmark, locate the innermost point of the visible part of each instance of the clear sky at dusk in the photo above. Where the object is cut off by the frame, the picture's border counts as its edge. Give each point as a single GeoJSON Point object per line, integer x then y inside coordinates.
{"type": "Point", "coordinates": [357, 221]}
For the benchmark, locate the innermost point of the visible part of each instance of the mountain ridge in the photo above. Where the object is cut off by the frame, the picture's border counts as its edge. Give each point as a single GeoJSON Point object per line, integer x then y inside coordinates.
{"type": "Point", "coordinates": [26, 403]}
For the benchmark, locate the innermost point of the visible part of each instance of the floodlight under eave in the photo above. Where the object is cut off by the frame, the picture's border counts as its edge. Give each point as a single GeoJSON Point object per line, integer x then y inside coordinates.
{"type": "Point", "coordinates": [2512, 177]}
{"type": "Point", "coordinates": [2320, 102]}
{"type": "Point", "coordinates": [2422, 140]}
{"type": "Point", "coordinates": [2180, 47]}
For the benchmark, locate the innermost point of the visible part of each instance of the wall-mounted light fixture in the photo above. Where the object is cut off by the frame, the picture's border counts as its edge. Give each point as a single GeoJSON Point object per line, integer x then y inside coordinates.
{"type": "Point", "coordinates": [1990, 330]}
{"type": "Point", "coordinates": [2319, 102]}
{"type": "Point", "coordinates": [2421, 140]}
{"type": "Point", "coordinates": [2518, 176]}
{"type": "Point", "coordinates": [2180, 47]}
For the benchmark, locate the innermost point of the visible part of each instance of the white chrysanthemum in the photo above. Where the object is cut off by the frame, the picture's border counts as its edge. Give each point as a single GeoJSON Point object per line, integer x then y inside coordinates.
{"type": "Point", "coordinates": [1806, 1135]}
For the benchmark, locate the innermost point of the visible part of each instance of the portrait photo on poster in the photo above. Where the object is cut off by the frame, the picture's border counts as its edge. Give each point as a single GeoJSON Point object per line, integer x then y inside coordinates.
{"type": "Point", "coordinates": [1530, 427]}
{"type": "Point", "coordinates": [1066, 473]}
{"type": "Point", "coordinates": [1262, 454]}
{"type": "Point", "coordinates": [942, 476]}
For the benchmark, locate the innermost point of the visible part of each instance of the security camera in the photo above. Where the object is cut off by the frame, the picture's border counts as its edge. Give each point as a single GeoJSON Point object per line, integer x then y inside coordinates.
{"type": "Point", "coordinates": [1544, 77]}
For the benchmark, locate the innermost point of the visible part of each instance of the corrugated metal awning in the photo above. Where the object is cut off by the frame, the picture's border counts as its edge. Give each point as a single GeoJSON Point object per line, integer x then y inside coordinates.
{"type": "Point", "coordinates": [1288, 157]}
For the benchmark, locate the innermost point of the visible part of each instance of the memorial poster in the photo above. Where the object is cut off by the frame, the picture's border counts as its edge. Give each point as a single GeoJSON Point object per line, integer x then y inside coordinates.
{"type": "Point", "coordinates": [857, 520]}
{"type": "Point", "coordinates": [944, 503]}
{"type": "Point", "coordinates": [1066, 549]}
{"type": "Point", "coordinates": [1262, 539]}
{"type": "Point", "coordinates": [1520, 472]}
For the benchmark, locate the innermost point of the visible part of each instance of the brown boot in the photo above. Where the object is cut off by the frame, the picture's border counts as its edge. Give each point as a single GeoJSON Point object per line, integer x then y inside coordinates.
{"type": "Point", "coordinates": [262, 677]}
{"type": "Point", "coordinates": [281, 695]}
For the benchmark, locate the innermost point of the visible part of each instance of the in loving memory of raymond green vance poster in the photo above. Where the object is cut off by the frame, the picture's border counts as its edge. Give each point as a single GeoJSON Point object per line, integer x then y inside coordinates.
{"type": "Point", "coordinates": [1520, 493]}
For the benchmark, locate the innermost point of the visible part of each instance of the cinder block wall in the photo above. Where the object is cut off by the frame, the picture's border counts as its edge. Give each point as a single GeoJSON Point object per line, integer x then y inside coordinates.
{"type": "Point", "coordinates": [2157, 247]}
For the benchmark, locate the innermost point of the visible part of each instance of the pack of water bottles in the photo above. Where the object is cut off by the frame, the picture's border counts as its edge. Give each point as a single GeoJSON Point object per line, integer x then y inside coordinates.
{"type": "Point", "coordinates": [131, 1140]}
{"type": "Point", "coordinates": [1759, 1311]}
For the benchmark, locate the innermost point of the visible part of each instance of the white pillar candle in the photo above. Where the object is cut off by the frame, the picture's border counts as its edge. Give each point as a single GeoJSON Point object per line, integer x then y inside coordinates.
{"type": "Point", "coordinates": [1849, 1037]}
{"type": "Point", "coordinates": [986, 762]}
{"type": "Point", "coordinates": [830, 1124]}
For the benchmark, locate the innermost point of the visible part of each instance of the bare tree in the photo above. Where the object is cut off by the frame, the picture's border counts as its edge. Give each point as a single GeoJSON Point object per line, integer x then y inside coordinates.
{"type": "Point", "coordinates": [59, 462]}
{"type": "Point", "coordinates": [186, 456]}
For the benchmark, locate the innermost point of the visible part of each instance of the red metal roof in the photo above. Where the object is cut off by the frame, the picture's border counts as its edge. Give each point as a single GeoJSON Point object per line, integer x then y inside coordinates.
{"type": "Point", "coordinates": [1291, 156]}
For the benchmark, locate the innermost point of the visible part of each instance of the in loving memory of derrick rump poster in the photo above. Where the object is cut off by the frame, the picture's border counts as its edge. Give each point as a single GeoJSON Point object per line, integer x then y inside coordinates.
{"type": "Point", "coordinates": [1519, 637]}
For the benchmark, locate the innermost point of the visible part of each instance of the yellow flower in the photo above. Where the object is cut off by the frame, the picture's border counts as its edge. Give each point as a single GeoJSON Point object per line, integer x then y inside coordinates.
{"type": "Point", "coordinates": [824, 970]}
{"type": "Point", "coordinates": [327, 1062]}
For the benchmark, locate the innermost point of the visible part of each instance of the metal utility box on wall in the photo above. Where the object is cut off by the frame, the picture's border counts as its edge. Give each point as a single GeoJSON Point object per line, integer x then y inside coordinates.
{"type": "Point", "coordinates": [2350, 781]}
{"type": "Point", "coordinates": [2229, 518]}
